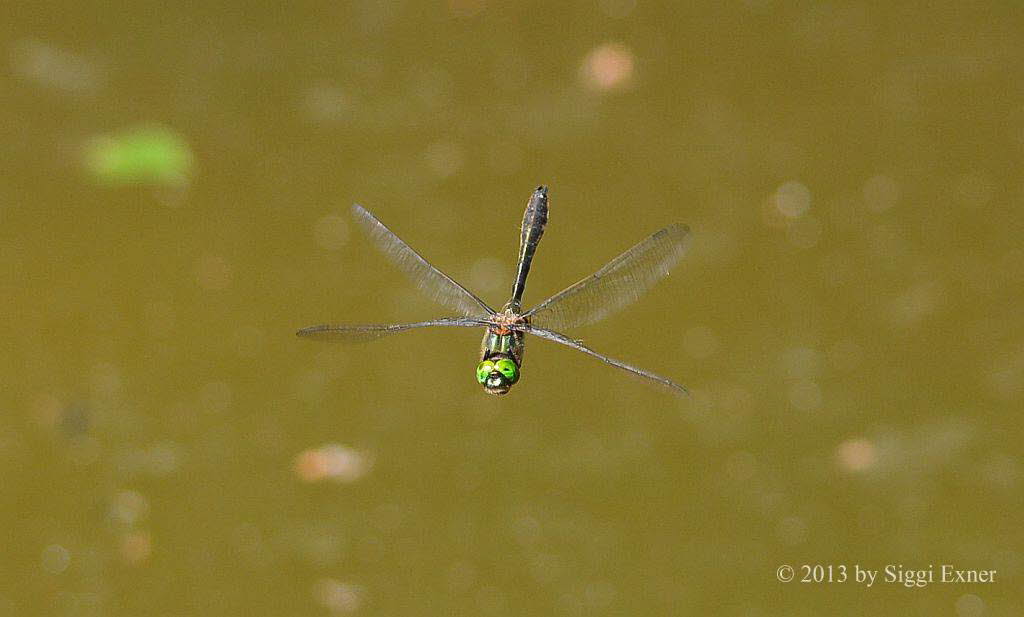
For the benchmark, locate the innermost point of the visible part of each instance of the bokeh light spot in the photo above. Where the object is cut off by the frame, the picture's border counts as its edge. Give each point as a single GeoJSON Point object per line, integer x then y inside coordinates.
{"type": "Point", "coordinates": [792, 199]}
{"type": "Point", "coordinates": [55, 559]}
{"type": "Point", "coordinates": [800, 362]}
{"type": "Point", "coordinates": [213, 272]}
{"type": "Point", "coordinates": [741, 466]}
{"type": "Point", "coordinates": [792, 530]}
{"type": "Point", "coordinates": [215, 396]}
{"type": "Point", "coordinates": [444, 158]}
{"type": "Point", "coordinates": [338, 596]}
{"type": "Point", "coordinates": [880, 193]}
{"type": "Point", "coordinates": [1002, 471]}
{"type": "Point", "coordinates": [466, 8]}
{"type": "Point", "coordinates": [136, 546]}
{"type": "Point", "coordinates": [461, 576]}
{"type": "Point", "coordinates": [326, 103]}
{"type": "Point", "coordinates": [56, 68]}
{"type": "Point", "coordinates": [488, 274]}
{"type": "Point", "coordinates": [128, 507]}
{"type": "Point", "coordinates": [599, 594]}
{"type": "Point", "coordinates": [106, 380]}
{"type": "Point", "coordinates": [332, 462]}
{"type": "Point", "coordinates": [163, 458]}
{"type": "Point", "coordinates": [914, 304]}
{"type": "Point", "coordinates": [608, 67]}
{"type": "Point", "coordinates": [331, 232]}
{"type": "Point", "coordinates": [969, 605]}
{"type": "Point", "coordinates": [856, 454]}
{"type": "Point", "coordinates": [491, 600]}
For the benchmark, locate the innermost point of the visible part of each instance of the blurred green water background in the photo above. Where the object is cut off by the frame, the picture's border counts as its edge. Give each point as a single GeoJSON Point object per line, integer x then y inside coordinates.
{"type": "Point", "coordinates": [174, 204]}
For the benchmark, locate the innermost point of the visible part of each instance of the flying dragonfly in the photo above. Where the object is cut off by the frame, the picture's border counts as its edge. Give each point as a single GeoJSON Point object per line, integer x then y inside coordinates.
{"type": "Point", "coordinates": [620, 282]}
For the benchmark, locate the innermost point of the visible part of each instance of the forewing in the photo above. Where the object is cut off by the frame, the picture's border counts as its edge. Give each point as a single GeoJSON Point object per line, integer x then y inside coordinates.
{"type": "Point", "coordinates": [620, 282]}
{"type": "Point", "coordinates": [437, 285]}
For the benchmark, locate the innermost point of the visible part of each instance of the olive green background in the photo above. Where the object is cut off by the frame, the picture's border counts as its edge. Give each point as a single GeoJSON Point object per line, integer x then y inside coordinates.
{"type": "Point", "coordinates": [848, 317]}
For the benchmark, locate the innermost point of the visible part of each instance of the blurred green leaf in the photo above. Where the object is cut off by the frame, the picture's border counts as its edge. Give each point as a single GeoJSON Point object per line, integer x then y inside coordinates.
{"type": "Point", "coordinates": [150, 155]}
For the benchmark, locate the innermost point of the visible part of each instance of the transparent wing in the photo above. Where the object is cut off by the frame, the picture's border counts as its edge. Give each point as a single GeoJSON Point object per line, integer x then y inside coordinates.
{"type": "Point", "coordinates": [435, 284]}
{"type": "Point", "coordinates": [578, 346]}
{"type": "Point", "coordinates": [372, 332]}
{"type": "Point", "coordinates": [620, 282]}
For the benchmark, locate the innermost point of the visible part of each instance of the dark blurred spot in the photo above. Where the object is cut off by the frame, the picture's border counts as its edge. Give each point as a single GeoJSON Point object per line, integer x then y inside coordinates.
{"type": "Point", "coordinates": [74, 420]}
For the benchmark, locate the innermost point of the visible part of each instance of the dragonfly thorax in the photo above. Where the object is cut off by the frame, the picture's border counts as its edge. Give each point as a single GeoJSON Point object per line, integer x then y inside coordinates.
{"type": "Point", "coordinates": [509, 316]}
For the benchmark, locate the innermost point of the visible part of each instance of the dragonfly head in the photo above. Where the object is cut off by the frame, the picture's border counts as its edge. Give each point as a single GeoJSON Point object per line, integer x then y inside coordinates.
{"type": "Point", "coordinates": [497, 374]}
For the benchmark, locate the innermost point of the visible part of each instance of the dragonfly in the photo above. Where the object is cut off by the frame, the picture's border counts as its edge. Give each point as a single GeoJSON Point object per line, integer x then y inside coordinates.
{"type": "Point", "coordinates": [619, 283]}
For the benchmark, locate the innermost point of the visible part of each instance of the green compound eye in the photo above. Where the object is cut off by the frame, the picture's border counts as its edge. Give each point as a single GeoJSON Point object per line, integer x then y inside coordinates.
{"type": "Point", "coordinates": [483, 370]}
{"type": "Point", "coordinates": [509, 369]}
